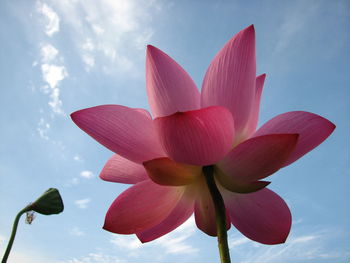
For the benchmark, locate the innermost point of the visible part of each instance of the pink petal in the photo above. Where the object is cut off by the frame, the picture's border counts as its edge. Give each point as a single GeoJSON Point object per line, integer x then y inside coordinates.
{"type": "Point", "coordinates": [255, 158]}
{"type": "Point", "coordinates": [238, 186]}
{"type": "Point", "coordinates": [169, 87]}
{"type": "Point", "coordinates": [121, 170]}
{"type": "Point", "coordinates": [126, 131]}
{"type": "Point", "coordinates": [230, 78]}
{"type": "Point", "coordinates": [141, 207]}
{"type": "Point", "coordinates": [182, 211]}
{"type": "Point", "coordinates": [164, 171]}
{"type": "Point", "coordinates": [312, 129]}
{"type": "Point", "coordinates": [204, 211]}
{"type": "Point", "coordinates": [262, 216]}
{"type": "Point", "coordinates": [200, 137]}
{"type": "Point", "coordinates": [254, 115]}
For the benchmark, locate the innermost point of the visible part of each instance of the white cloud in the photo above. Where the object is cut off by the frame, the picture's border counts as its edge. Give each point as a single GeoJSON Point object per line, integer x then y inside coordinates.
{"type": "Point", "coordinates": [55, 102]}
{"type": "Point", "coordinates": [110, 34]}
{"type": "Point", "coordinates": [126, 242]}
{"type": "Point", "coordinates": [293, 26]}
{"type": "Point", "coordinates": [76, 231]}
{"type": "Point", "coordinates": [88, 45]}
{"type": "Point", "coordinates": [2, 240]}
{"type": "Point", "coordinates": [52, 20]}
{"type": "Point", "coordinates": [175, 242]}
{"type": "Point", "coordinates": [89, 61]}
{"type": "Point", "coordinates": [53, 75]}
{"type": "Point", "coordinates": [48, 53]}
{"type": "Point", "coordinates": [77, 158]}
{"type": "Point", "coordinates": [82, 203]}
{"type": "Point", "coordinates": [97, 29]}
{"type": "Point", "coordinates": [95, 258]}
{"type": "Point", "coordinates": [52, 70]}
{"type": "Point", "coordinates": [43, 128]}
{"type": "Point", "coordinates": [29, 256]}
{"type": "Point", "coordinates": [306, 247]}
{"type": "Point", "coordinates": [74, 181]}
{"type": "Point", "coordinates": [87, 174]}
{"type": "Point", "coordinates": [232, 243]}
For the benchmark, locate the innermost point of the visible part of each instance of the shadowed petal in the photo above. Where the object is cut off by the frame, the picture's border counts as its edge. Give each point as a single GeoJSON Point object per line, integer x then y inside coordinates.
{"type": "Point", "coordinates": [230, 78]}
{"type": "Point", "coordinates": [121, 170]}
{"type": "Point", "coordinates": [164, 171]}
{"type": "Point", "coordinates": [256, 158]}
{"type": "Point", "coordinates": [204, 211]}
{"type": "Point", "coordinates": [200, 137]}
{"type": "Point", "coordinates": [312, 129]}
{"type": "Point", "coordinates": [262, 216]}
{"type": "Point", "coordinates": [254, 115]}
{"type": "Point", "coordinates": [141, 207]}
{"type": "Point", "coordinates": [169, 87]}
{"type": "Point", "coordinates": [182, 211]}
{"type": "Point", "coordinates": [237, 186]}
{"type": "Point", "coordinates": [126, 131]}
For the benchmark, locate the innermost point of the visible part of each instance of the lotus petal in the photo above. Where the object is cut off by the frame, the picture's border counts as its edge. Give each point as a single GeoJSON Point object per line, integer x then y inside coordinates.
{"type": "Point", "coordinates": [200, 137]}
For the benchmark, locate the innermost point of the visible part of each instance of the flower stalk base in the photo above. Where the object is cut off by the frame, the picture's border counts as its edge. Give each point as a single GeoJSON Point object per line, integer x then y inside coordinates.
{"type": "Point", "coordinates": [220, 213]}
{"type": "Point", "coordinates": [13, 234]}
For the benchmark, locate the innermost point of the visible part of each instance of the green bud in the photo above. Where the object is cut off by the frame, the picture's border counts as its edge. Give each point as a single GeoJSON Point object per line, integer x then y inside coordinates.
{"type": "Point", "coordinates": [48, 203]}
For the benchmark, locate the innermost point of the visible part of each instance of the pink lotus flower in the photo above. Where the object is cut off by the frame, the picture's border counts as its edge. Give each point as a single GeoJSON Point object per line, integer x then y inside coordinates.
{"type": "Point", "coordinates": [163, 157]}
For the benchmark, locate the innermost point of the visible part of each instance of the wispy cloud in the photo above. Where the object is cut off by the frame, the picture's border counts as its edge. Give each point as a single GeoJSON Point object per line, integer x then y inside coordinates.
{"type": "Point", "coordinates": [175, 242]}
{"type": "Point", "coordinates": [52, 21]}
{"type": "Point", "coordinates": [72, 182]}
{"type": "Point", "coordinates": [126, 242]}
{"type": "Point", "coordinates": [95, 258]}
{"type": "Point", "coordinates": [87, 174]}
{"type": "Point", "coordinates": [306, 247]}
{"type": "Point", "coordinates": [2, 240]}
{"type": "Point", "coordinates": [30, 256]}
{"type": "Point", "coordinates": [52, 74]}
{"type": "Point", "coordinates": [77, 158]}
{"type": "Point", "coordinates": [237, 242]}
{"type": "Point", "coordinates": [52, 69]}
{"type": "Point", "coordinates": [108, 33]}
{"type": "Point", "coordinates": [293, 26]}
{"type": "Point", "coordinates": [76, 231]}
{"type": "Point", "coordinates": [43, 128]}
{"type": "Point", "coordinates": [48, 53]}
{"type": "Point", "coordinates": [82, 203]}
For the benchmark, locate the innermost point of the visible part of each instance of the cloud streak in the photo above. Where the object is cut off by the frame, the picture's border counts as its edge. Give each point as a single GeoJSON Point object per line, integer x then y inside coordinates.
{"type": "Point", "coordinates": [108, 33]}
{"type": "Point", "coordinates": [175, 243]}
{"type": "Point", "coordinates": [300, 247]}
{"type": "Point", "coordinates": [82, 203]}
{"type": "Point", "coordinates": [52, 21]}
{"type": "Point", "coordinates": [52, 74]}
{"type": "Point", "coordinates": [86, 174]}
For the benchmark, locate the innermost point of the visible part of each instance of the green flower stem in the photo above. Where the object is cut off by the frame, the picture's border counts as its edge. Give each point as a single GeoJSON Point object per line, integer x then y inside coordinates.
{"type": "Point", "coordinates": [13, 234]}
{"type": "Point", "coordinates": [220, 212]}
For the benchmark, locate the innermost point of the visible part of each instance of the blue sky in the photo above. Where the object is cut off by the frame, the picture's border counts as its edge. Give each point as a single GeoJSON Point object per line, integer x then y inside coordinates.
{"type": "Point", "coordinates": [58, 56]}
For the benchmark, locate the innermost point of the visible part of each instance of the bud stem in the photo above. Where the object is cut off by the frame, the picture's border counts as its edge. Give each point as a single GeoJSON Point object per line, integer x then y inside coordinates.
{"type": "Point", "coordinates": [13, 234]}
{"type": "Point", "coordinates": [220, 212]}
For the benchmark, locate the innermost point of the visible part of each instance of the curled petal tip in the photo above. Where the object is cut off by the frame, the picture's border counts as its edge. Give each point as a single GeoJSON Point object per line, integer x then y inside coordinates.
{"type": "Point", "coordinates": [73, 115]}
{"type": "Point", "coordinates": [333, 126]}
{"type": "Point", "coordinates": [150, 48]}
{"type": "Point", "coordinates": [262, 76]}
{"type": "Point", "coordinates": [251, 27]}
{"type": "Point", "coordinates": [154, 51]}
